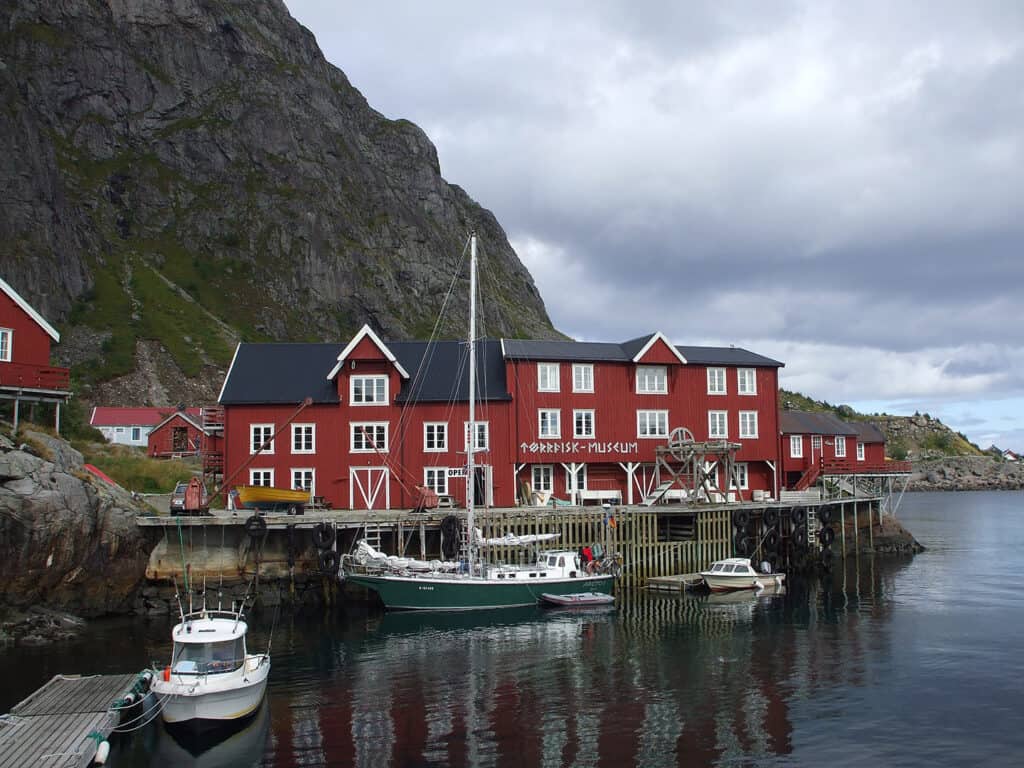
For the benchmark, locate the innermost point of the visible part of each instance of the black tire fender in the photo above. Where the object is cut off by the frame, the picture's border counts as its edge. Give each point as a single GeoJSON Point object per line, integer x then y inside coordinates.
{"type": "Point", "coordinates": [256, 526]}
{"type": "Point", "coordinates": [323, 535]}
{"type": "Point", "coordinates": [771, 517]}
{"type": "Point", "coordinates": [328, 560]}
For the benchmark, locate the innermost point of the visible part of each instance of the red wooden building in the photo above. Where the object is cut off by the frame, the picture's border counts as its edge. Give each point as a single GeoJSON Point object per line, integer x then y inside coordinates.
{"type": "Point", "coordinates": [25, 371]}
{"type": "Point", "coordinates": [814, 443]}
{"type": "Point", "coordinates": [574, 420]}
{"type": "Point", "coordinates": [178, 434]}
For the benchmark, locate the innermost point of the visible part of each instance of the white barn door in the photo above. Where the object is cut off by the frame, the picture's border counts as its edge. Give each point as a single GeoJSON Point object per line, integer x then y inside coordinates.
{"type": "Point", "coordinates": [369, 488]}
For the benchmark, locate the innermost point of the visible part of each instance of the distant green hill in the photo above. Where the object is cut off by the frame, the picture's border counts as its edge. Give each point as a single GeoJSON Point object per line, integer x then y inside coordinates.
{"type": "Point", "coordinates": [907, 437]}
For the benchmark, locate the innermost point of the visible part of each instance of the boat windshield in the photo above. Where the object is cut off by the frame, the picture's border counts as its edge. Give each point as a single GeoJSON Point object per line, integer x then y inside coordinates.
{"type": "Point", "coordinates": [208, 658]}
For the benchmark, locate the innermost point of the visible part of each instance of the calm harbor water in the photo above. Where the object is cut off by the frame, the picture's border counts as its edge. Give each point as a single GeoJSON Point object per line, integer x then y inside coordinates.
{"type": "Point", "coordinates": [888, 661]}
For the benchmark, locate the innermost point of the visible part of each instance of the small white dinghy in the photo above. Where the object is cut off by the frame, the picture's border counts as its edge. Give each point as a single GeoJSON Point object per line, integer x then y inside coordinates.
{"type": "Point", "coordinates": [580, 599]}
{"type": "Point", "coordinates": [211, 677]}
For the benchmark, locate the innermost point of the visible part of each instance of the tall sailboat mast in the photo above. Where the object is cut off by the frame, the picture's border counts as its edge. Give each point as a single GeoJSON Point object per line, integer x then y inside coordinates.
{"type": "Point", "coordinates": [471, 448]}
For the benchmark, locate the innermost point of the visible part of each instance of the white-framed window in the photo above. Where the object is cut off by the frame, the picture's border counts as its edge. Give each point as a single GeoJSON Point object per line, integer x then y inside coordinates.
{"type": "Point", "coordinates": [840, 446]}
{"type": "Point", "coordinates": [435, 436]}
{"type": "Point", "coordinates": [816, 444]}
{"type": "Point", "coordinates": [304, 479]}
{"type": "Point", "coordinates": [264, 477]}
{"type": "Point", "coordinates": [368, 390]}
{"type": "Point", "coordinates": [741, 474]}
{"type": "Point", "coordinates": [576, 481]}
{"type": "Point", "coordinates": [860, 451]}
{"type": "Point", "coordinates": [651, 380]}
{"type": "Point", "coordinates": [368, 436]}
{"type": "Point", "coordinates": [796, 446]}
{"type": "Point", "coordinates": [718, 425]}
{"type": "Point", "coordinates": [543, 478]}
{"type": "Point", "coordinates": [482, 435]}
{"type": "Point", "coordinates": [136, 434]}
{"type": "Point", "coordinates": [550, 422]}
{"type": "Point", "coordinates": [119, 430]}
{"type": "Point", "coordinates": [652, 423]}
{"type": "Point", "coordinates": [716, 381]}
{"type": "Point", "coordinates": [260, 434]}
{"type": "Point", "coordinates": [6, 344]}
{"type": "Point", "coordinates": [583, 423]}
{"type": "Point", "coordinates": [547, 377]}
{"type": "Point", "coordinates": [748, 424]}
{"type": "Point", "coordinates": [746, 381]}
{"type": "Point", "coordinates": [303, 438]}
{"type": "Point", "coordinates": [436, 479]}
{"type": "Point", "coordinates": [582, 377]}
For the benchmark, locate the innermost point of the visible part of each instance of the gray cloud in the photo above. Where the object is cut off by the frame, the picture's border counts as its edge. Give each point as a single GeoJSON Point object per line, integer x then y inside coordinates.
{"type": "Point", "coordinates": [814, 178]}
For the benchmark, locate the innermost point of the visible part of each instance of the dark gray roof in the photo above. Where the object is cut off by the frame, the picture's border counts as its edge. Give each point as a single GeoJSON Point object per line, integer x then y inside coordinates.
{"type": "Point", "coordinates": [281, 373]}
{"type": "Point", "coordinates": [445, 376]}
{"type": "Point", "coordinates": [599, 352]}
{"type": "Point", "coordinates": [288, 373]}
{"type": "Point", "coordinates": [868, 432]}
{"type": "Point", "coordinates": [811, 423]}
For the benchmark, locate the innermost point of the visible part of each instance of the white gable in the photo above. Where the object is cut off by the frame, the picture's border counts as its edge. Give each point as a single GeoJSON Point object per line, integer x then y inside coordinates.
{"type": "Point", "coordinates": [366, 332]}
{"type": "Point", "coordinates": [650, 343]}
{"type": "Point", "coordinates": [13, 294]}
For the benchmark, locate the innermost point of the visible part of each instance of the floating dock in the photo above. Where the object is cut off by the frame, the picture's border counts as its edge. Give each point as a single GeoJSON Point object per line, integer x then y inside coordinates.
{"type": "Point", "coordinates": [677, 583]}
{"type": "Point", "coordinates": [64, 722]}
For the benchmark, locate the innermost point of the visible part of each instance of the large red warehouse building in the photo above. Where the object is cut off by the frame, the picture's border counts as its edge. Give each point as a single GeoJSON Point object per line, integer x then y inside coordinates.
{"type": "Point", "coordinates": [573, 420]}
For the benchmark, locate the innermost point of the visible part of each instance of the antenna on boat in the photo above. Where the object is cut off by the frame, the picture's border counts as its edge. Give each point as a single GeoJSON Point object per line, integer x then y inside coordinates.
{"type": "Point", "coordinates": [471, 447]}
{"type": "Point", "coordinates": [241, 605]}
{"type": "Point", "coordinates": [177, 597]}
{"type": "Point", "coordinates": [188, 572]}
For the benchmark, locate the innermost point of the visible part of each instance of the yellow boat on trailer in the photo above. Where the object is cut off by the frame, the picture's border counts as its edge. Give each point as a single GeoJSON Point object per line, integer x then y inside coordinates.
{"type": "Point", "coordinates": [272, 499]}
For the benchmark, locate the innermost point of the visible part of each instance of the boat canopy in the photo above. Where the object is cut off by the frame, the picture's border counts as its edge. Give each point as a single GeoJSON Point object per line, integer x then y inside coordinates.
{"type": "Point", "coordinates": [208, 630]}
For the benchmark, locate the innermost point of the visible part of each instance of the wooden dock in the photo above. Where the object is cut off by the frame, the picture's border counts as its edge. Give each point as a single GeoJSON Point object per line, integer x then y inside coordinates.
{"type": "Point", "coordinates": [677, 583]}
{"type": "Point", "coordinates": [58, 725]}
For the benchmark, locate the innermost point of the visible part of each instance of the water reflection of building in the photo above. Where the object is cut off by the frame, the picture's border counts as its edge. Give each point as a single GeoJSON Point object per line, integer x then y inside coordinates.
{"type": "Point", "coordinates": [664, 680]}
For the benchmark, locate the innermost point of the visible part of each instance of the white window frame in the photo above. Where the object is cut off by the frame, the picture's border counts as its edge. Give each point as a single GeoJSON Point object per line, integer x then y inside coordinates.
{"type": "Point", "coordinates": [549, 423]}
{"type": "Point", "coordinates": [748, 419]}
{"type": "Point", "coordinates": [743, 470]}
{"type": "Point", "coordinates": [304, 430]}
{"type": "Point", "coordinates": [356, 429]}
{"type": "Point", "coordinates": [582, 377]}
{"type": "Point", "coordinates": [6, 345]}
{"type": "Point", "coordinates": [576, 432]}
{"type": "Point", "coordinates": [548, 377]}
{"type": "Point", "coordinates": [312, 479]}
{"type": "Point", "coordinates": [644, 417]}
{"type": "Point", "coordinates": [264, 474]}
{"type": "Point", "coordinates": [545, 472]}
{"type": "Point", "coordinates": [796, 446]}
{"type": "Point", "coordinates": [718, 425]}
{"type": "Point", "coordinates": [746, 381]}
{"type": "Point", "coordinates": [266, 432]}
{"type": "Point", "coordinates": [840, 446]}
{"type": "Point", "coordinates": [716, 381]}
{"type": "Point", "coordinates": [369, 377]}
{"type": "Point", "coordinates": [439, 473]}
{"type": "Point", "coordinates": [482, 430]}
{"type": "Point", "coordinates": [136, 434]}
{"type": "Point", "coordinates": [651, 380]}
{"type": "Point", "coordinates": [860, 451]}
{"type": "Point", "coordinates": [440, 429]}
{"type": "Point", "coordinates": [816, 444]}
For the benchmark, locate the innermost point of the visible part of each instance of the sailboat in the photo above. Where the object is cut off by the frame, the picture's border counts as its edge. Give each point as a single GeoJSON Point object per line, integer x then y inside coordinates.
{"type": "Point", "coordinates": [476, 584]}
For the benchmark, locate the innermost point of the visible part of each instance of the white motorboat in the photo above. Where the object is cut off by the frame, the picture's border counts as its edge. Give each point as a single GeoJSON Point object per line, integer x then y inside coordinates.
{"type": "Point", "coordinates": [211, 677]}
{"type": "Point", "coordinates": [735, 573]}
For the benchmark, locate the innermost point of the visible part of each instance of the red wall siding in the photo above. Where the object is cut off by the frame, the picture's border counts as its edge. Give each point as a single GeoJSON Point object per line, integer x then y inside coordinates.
{"type": "Point", "coordinates": [161, 441]}
{"type": "Point", "coordinates": [31, 343]}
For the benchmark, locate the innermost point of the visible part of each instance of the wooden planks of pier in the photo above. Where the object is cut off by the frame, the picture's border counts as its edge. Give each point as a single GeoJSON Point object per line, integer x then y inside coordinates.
{"type": "Point", "coordinates": [52, 726]}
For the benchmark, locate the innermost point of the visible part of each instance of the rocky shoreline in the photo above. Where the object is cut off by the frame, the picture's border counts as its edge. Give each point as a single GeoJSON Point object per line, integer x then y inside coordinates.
{"type": "Point", "coordinates": [966, 473]}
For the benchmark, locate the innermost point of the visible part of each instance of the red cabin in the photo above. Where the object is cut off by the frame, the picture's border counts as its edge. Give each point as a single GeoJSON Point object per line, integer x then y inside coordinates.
{"type": "Point", "coordinates": [178, 434]}
{"type": "Point", "coordinates": [572, 421]}
{"type": "Point", "coordinates": [25, 370]}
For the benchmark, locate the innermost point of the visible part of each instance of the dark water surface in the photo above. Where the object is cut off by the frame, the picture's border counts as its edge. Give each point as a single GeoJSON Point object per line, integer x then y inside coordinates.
{"type": "Point", "coordinates": [889, 661]}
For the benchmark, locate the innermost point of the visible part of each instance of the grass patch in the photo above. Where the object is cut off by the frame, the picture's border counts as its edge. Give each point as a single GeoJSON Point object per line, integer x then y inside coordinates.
{"type": "Point", "coordinates": [134, 470]}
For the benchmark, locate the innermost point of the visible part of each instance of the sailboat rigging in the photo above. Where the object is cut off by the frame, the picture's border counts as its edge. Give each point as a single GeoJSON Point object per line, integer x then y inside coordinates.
{"type": "Point", "coordinates": [473, 583]}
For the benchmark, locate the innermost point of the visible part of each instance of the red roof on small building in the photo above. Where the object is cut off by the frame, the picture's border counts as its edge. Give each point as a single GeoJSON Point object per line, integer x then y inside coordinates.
{"type": "Point", "coordinates": [109, 416]}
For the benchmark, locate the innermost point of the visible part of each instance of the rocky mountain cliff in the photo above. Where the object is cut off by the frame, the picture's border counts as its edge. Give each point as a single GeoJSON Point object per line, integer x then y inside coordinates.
{"type": "Point", "coordinates": [180, 174]}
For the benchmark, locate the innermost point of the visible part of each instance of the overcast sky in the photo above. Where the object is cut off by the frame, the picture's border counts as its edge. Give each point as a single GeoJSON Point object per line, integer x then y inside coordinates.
{"type": "Point", "coordinates": [835, 185]}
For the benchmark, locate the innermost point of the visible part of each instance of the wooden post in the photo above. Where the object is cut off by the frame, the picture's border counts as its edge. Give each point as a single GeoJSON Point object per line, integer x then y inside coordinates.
{"type": "Point", "coordinates": [842, 525]}
{"type": "Point", "coordinates": [16, 403]}
{"type": "Point", "coordinates": [856, 529]}
{"type": "Point", "coordinates": [56, 425]}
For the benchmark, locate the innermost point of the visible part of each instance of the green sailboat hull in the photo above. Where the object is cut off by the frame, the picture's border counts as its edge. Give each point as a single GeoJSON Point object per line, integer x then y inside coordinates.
{"type": "Point", "coordinates": [431, 593]}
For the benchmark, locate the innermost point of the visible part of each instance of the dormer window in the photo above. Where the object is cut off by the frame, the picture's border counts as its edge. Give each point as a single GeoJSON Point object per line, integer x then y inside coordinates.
{"type": "Point", "coordinates": [547, 377]}
{"type": "Point", "coordinates": [651, 380]}
{"type": "Point", "coordinates": [368, 390]}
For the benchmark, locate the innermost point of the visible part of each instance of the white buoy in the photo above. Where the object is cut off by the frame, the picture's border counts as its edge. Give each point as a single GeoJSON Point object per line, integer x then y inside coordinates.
{"type": "Point", "coordinates": [102, 753]}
